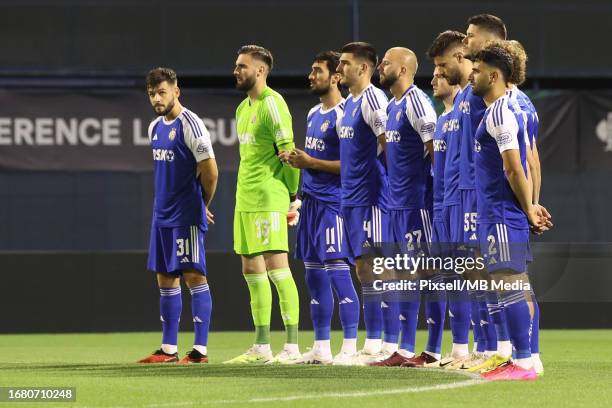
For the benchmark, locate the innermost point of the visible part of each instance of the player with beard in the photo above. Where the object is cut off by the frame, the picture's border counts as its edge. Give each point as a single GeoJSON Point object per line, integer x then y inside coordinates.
{"type": "Point", "coordinates": [448, 57]}
{"type": "Point", "coordinates": [321, 234]}
{"type": "Point", "coordinates": [364, 193]}
{"type": "Point", "coordinates": [505, 206]}
{"type": "Point", "coordinates": [487, 30]}
{"type": "Point", "coordinates": [266, 192]}
{"type": "Point", "coordinates": [409, 147]}
{"type": "Point", "coordinates": [185, 173]}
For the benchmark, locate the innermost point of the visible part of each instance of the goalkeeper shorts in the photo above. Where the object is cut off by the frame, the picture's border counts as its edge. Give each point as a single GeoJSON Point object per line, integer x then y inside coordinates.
{"type": "Point", "coordinates": [263, 231]}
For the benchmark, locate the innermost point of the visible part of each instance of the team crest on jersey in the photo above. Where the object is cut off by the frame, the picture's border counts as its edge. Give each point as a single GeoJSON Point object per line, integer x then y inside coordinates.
{"type": "Point", "coordinates": [253, 119]}
{"type": "Point", "coordinates": [398, 115]}
{"type": "Point", "coordinates": [325, 126]}
{"type": "Point", "coordinates": [354, 111]}
{"type": "Point", "coordinates": [172, 134]}
{"type": "Point", "coordinates": [477, 147]}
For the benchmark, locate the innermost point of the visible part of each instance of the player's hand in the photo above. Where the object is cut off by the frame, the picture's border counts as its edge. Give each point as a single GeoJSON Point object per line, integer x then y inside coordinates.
{"type": "Point", "coordinates": [293, 215]}
{"type": "Point", "coordinates": [543, 212]}
{"type": "Point", "coordinates": [284, 156]}
{"type": "Point", "coordinates": [545, 217]}
{"type": "Point", "coordinates": [537, 222]}
{"type": "Point", "coordinates": [299, 159]}
{"type": "Point", "coordinates": [210, 217]}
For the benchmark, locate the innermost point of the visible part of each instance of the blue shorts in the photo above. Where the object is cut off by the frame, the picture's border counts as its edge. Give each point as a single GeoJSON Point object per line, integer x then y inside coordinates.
{"type": "Point", "coordinates": [504, 247]}
{"type": "Point", "coordinates": [411, 229]}
{"type": "Point", "coordinates": [320, 233]}
{"type": "Point", "coordinates": [455, 224]}
{"type": "Point", "coordinates": [468, 208]}
{"type": "Point", "coordinates": [367, 228]}
{"type": "Point", "coordinates": [174, 249]}
{"type": "Point", "coordinates": [439, 236]}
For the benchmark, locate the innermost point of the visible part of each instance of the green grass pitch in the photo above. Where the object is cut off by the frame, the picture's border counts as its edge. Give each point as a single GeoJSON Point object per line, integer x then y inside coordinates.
{"type": "Point", "coordinates": [578, 373]}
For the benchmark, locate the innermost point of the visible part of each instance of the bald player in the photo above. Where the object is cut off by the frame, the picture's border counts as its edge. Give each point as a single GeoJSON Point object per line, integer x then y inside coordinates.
{"type": "Point", "coordinates": [409, 147]}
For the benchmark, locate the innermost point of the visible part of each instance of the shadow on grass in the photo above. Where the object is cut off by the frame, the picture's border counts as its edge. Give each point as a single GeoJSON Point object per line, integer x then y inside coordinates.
{"type": "Point", "coordinates": [220, 370]}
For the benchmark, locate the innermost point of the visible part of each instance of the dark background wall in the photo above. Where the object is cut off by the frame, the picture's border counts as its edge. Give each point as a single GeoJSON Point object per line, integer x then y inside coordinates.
{"type": "Point", "coordinates": [201, 37]}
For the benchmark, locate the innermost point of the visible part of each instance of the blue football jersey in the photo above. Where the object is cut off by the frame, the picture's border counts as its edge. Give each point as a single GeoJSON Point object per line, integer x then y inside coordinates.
{"type": "Point", "coordinates": [178, 146]}
{"type": "Point", "coordinates": [520, 101]}
{"type": "Point", "coordinates": [364, 119]}
{"type": "Point", "coordinates": [439, 144]}
{"type": "Point", "coordinates": [501, 129]}
{"type": "Point", "coordinates": [453, 151]}
{"type": "Point", "coordinates": [411, 123]}
{"type": "Point", "coordinates": [472, 109]}
{"type": "Point", "coordinates": [322, 143]}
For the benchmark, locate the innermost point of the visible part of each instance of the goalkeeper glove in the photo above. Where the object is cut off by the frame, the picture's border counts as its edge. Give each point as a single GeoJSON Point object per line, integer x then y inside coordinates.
{"type": "Point", "coordinates": [293, 216]}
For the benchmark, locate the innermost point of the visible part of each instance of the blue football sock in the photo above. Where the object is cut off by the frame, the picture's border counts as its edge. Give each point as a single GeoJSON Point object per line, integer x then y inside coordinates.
{"type": "Point", "coordinates": [201, 306]}
{"type": "Point", "coordinates": [486, 324]}
{"type": "Point", "coordinates": [372, 311]}
{"type": "Point", "coordinates": [390, 312]}
{"type": "Point", "coordinates": [348, 301]}
{"type": "Point", "coordinates": [475, 320]}
{"type": "Point", "coordinates": [321, 299]}
{"type": "Point", "coordinates": [518, 320]}
{"type": "Point", "coordinates": [459, 312]}
{"type": "Point", "coordinates": [535, 325]}
{"type": "Point", "coordinates": [498, 315]}
{"type": "Point", "coordinates": [409, 316]}
{"type": "Point", "coordinates": [435, 309]}
{"type": "Point", "coordinates": [170, 307]}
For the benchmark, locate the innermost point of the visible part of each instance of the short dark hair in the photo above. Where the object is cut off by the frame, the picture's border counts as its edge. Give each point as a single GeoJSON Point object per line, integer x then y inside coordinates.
{"type": "Point", "coordinates": [258, 52]}
{"type": "Point", "coordinates": [443, 42]}
{"type": "Point", "coordinates": [490, 23]}
{"type": "Point", "coordinates": [498, 57]}
{"type": "Point", "coordinates": [158, 75]}
{"type": "Point", "coordinates": [330, 58]}
{"type": "Point", "coordinates": [362, 50]}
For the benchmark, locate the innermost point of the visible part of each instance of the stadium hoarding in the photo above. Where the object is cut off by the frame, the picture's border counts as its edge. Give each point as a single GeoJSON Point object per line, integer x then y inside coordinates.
{"type": "Point", "coordinates": [107, 130]}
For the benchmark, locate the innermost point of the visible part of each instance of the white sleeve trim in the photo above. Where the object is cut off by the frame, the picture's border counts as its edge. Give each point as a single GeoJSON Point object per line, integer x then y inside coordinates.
{"type": "Point", "coordinates": [421, 115]}
{"type": "Point", "coordinates": [196, 136]}
{"type": "Point", "coordinates": [374, 110]}
{"type": "Point", "coordinates": [503, 127]}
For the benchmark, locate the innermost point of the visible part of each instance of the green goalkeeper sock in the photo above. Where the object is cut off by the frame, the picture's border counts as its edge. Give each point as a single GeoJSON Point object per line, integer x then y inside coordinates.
{"type": "Point", "coordinates": [289, 301]}
{"type": "Point", "coordinates": [261, 305]}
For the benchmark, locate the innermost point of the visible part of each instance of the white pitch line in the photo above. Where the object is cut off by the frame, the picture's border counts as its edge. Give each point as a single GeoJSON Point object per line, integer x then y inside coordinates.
{"type": "Point", "coordinates": [356, 394]}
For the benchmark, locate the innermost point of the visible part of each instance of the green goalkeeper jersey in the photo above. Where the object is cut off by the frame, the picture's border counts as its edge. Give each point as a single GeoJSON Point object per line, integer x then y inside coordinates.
{"type": "Point", "coordinates": [264, 129]}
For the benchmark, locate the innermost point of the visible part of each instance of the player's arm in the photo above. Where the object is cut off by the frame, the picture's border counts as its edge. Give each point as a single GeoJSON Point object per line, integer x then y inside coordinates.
{"type": "Point", "coordinates": [422, 117]}
{"type": "Point", "coordinates": [280, 122]}
{"type": "Point", "coordinates": [301, 160]}
{"type": "Point", "coordinates": [198, 141]}
{"type": "Point", "coordinates": [536, 173]}
{"type": "Point", "coordinates": [506, 134]}
{"type": "Point", "coordinates": [208, 176]}
{"type": "Point", "coordinates": [374, 110]}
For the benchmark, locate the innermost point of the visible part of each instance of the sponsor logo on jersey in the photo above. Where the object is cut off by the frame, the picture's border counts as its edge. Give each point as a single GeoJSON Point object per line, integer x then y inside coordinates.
{"type": "Point", "coordinates": [504, 138]}
{"type": "Point", "coordinates": [172, 134]}
{"type": "Point", "coordinates": [428, 127]}
{"type": "Point", "coordinates": [325, 126]}
{"type": "Point", "coordinates": [393, 136]}
{"type": "Point", "coordinates": [202, 148]}
{"type": "Point", "coordinates": [155, 137]}
{"type": "Point", "coordinates": [246, 138]}
{"type": "Point", "coordinates": [398, 115]}
{"type": "Point", "coordinates": [453, 125]}
{"type": "Point", "coordinates": [439, 145]}
{"type": "Point", "coordinates": [310, 123]}
{"type": "Point", "coordinates": [163, 155]}
{"type": "Point", "coordinates": [345, 301]}
{"type": "Point", "coordinates": [354, 111]}
{"type": "Point", "coordinates": [604, 132]}
{"type": "Point", "coordinates": [280, 134]}
{"type": "Point", "coordinates": [185, 260]}
{"type": "Point", "coordinates": [253, 118]}
{"type": "Point", "coordinates": [346, 132]}
{"type": "Point", "coordinates": [330, 250]}
{"type": "Point", "coordinates": [314, 143]}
